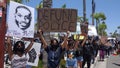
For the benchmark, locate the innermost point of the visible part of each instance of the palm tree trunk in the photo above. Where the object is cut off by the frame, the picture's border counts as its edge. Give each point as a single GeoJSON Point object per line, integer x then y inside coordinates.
{"type": "Point", "coordinates": [46, 4]}
{"type": "Point", "coordinates": [84, 10]}
{"type": "Point", "coordinates": [97, 26]}
{"type": "Point", "coordinates": [93, 11]}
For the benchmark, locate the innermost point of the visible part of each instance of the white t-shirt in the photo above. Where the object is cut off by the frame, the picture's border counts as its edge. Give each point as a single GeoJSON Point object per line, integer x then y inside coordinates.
{"type": "Point", "coordinates": [18, 62]}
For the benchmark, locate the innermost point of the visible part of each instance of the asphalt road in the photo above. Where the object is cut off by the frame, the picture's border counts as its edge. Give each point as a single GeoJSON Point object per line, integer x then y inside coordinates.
{"type": "Point", "coordinates": [113, 62]}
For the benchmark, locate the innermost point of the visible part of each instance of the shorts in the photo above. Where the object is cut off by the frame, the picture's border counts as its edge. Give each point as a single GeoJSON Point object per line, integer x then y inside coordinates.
{"type": "Point", "coordinates": [80, 58]}
{"type": "Point", "coordinates": [71, 63]}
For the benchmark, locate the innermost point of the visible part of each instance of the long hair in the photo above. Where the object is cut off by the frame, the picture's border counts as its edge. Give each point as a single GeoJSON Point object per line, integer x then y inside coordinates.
{"type": "Point", "coordinates": [71, 42]}
{"type": "Point", "coordinates": [52, 41]}
{"type": "Point", "coordinates": [15, 48]}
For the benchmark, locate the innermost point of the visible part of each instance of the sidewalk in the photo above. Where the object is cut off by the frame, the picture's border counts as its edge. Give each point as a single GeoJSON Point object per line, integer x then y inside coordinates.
{"type": "Point", "coordinates": [100, 64]}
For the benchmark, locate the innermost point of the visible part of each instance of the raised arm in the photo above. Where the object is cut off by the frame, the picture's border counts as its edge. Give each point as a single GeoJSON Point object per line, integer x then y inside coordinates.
{"type": "Point", "coordinates": [77, 42]}
{"type": "Point", "coordinates": [92, 39]}
{"type": "Point", "coordinates": [10, 52]}
{"type": "Point", "coordinates": [84, 41]}
{"type": "Point", "coordinates": [65, 42]}
{"type": "Point", "coordinates": [42, 39]}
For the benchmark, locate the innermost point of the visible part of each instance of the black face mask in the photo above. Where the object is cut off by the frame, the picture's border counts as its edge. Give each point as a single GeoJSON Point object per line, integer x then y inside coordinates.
{"type": "Point", "coordinates": [21, 49]}
{"type": "Point", "coordinates": [54, 47]}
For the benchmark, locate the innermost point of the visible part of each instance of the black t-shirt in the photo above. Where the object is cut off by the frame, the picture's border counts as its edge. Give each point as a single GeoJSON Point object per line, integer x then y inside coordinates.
{"type": "Point", "coordinates": [88, 49]}
{"type": "Point", "coordinates": [54, 56]}
{"type": "Point", "coordinates": [79, 51]}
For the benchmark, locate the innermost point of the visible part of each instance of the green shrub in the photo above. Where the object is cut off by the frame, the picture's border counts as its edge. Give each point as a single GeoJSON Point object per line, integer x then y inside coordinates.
{"type": "Point", "coordinates": [40, 64]}
{"type": "Point", "coordinates": [62, 63]}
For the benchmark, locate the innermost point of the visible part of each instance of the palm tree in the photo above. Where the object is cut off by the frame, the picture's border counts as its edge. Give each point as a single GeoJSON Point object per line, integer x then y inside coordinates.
{"type": "Point", "coordinates": [93, 11]}
{"type": "Point", "coordinates": [119, 30]}
{"type": "Point", "coordinates": [115, 34]}
{"type": "Point", "coordinates": [84, 10]}
{"type": "Point", "coordinates": [118, 27]}
{"type": "Point", "coordinates": [99, 17]}
{"type": "Point", "coordinates": [47, 3]}
{"type": "Point", "coordinates": [64, 6]}
{"type": "Point", "coordinates": [101, 29]}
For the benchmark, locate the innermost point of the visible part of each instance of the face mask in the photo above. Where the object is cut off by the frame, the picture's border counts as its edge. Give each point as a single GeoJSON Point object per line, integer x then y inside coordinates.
{"type": "Point", "coordinates": [86, 42]}
{"type": "Point", "coordinates": [21, 49]}
{"type": "Point", "coordinates": [54, 47]}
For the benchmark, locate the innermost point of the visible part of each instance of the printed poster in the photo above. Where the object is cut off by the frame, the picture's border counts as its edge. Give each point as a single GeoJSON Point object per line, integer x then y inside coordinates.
{"type": "Point", "coordinates": [20, 20]}
{"type": "Point", "coordinates": [92, 30]}
{"type": "Point", "coordinates": [33, 54]}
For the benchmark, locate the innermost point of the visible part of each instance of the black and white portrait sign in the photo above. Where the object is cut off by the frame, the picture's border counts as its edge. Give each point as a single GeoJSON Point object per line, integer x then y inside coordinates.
{"type": "Point", "coordinates": [20, 20]}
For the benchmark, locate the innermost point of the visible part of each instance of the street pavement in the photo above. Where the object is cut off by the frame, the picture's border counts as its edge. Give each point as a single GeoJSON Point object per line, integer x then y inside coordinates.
{"type": "Point", "coordinates": [113, 62]}
{"type": "Point", "coordinates": [100, 64]}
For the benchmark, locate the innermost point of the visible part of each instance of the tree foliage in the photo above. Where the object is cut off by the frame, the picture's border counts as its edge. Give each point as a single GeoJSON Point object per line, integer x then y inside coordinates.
{"type": "Point", "coordinates": [101, 29]}
{"type": "Point", "coordinates": [64, 6]}
{"type": "Point", "coordinates": [118, 27]}
{"type": "Point", "coordinates": [100, 17]}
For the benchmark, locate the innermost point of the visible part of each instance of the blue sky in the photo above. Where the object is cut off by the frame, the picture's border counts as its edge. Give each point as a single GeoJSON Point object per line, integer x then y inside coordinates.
{"type": "Point", "coordinates": [109, 7]}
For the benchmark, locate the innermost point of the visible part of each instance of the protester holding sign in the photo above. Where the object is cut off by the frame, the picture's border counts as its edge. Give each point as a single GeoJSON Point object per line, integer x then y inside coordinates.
{"type": "Point", "coordinates": [87, 52]}
{"type": "Point", "coordinates": [18, 54]}
{"type": "Point", "coordinates": [54, 50]}
{"type": "Point", "coordinates": [80, 41]}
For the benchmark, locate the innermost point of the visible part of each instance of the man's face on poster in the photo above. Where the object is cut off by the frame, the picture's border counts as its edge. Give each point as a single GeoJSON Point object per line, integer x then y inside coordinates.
{"type": "Point", "coordinates": [23, 17]}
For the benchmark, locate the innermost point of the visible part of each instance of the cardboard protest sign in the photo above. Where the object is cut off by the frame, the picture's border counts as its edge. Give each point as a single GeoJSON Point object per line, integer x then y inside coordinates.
{"type": "Point", "coordinates": [92, 30]}
{"type": "Point", "coordinates": [57, 20]}
{"type": "Point", "coordinates": [20, 20]}
{"type": "Point", "coordinates": [81, 37]}
{"type": "Point", "coordinates": [103, 39]}
{"type": "Point", "coordinates": [33, 54]}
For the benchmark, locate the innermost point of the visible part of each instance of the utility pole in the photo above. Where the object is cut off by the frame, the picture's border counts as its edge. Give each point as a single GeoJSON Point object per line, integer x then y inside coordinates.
{"type": "Point", "coordinates": [93, 11]}
{"type": "Point", "coordinates": [2, 30]}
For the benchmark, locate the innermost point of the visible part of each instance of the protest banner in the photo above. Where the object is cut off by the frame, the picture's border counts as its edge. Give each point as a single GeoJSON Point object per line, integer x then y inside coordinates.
{"type": "Point", "coordinates": [33, 54]}
{"type": "Point", "coordinates": [57, 20]}
{"type": "Point", "coordinates": [20, 20]}
{"type": "Point", "coordinates": [81, 37]}
{"type": "Point", "coordinates": [92, 30]}
{"type": "Point", "coordinates": [103, 39]}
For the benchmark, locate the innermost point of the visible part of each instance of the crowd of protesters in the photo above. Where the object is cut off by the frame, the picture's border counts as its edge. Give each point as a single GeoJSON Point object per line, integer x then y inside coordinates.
{"type": "Point", "coordinates": [77, 51]}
